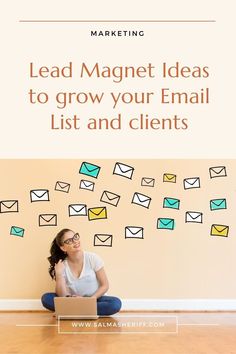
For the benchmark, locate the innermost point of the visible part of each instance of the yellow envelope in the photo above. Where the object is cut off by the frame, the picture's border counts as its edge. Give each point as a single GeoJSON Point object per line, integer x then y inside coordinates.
{"type": "Point", "coordinates": [219, 230]}
{"type": "Point", "coordinates": [9, 206]}
{"type": "Point", "coordinates": [169, 177]}
{"type": "Point", "coordinates": [110, 198]}
{"type": "Point", "coordinates": [97, 213]}
{"type": "Point", "coordinates": [62, 187]}
{"type": "Point", "coordinates": [147, 182]}
{"type": "Point", "coordinates": [48, 220]}
{"type": "Point", "coordinates": [102, 240]}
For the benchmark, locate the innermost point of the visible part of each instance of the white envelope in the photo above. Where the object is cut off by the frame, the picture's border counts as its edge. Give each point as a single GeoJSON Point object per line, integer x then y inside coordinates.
{"type": "Point", "coordinates": [77, 210]}
{"type": "Point", "coordinates": [39, 195]}
{"type": "Point", "coordinates": [141, 199]}
{"type": "Point", "coordinates": [86, 185]}
{"type": "Point", "coordinates": [123, 170]}
{"type": "Point", "coordinates": [193, 182]}
{"type": "Point", "coordinates": [133, 232]}
{"type": "Point", "coordinates": [102, 240]}
{"type": "Point", "coordinates": [218, 171]}
{"type": "Point", "coordinates": [193, 216]}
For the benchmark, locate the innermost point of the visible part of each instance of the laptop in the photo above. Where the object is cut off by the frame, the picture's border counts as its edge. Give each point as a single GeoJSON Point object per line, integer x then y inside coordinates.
{"type": "Point", "coordinates": [76, 307]}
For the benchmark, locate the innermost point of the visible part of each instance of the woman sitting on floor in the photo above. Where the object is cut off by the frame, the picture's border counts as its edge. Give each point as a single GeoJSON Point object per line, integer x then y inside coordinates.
{"type": "Point", "coordinates": [78, 273]}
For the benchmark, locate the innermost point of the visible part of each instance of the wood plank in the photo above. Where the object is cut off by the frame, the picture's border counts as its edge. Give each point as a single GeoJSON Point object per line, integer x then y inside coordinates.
{"type": "Point", "coordinates": [198, 333]}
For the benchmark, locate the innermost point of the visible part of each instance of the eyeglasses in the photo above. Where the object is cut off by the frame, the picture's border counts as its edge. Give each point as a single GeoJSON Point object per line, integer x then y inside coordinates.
{"type": "Point", "coordinates": [73, 239]}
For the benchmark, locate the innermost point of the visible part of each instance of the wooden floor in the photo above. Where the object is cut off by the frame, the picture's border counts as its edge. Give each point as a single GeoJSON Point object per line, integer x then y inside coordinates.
{"type": "Point", "coordinates": [195, 333]}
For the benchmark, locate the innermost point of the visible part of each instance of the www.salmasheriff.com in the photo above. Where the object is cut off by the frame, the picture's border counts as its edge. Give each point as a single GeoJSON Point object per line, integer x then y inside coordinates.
{"type": "Point", "coordinates": [119, 324]}
{"type": "Point", "coordinates": [83, 324]}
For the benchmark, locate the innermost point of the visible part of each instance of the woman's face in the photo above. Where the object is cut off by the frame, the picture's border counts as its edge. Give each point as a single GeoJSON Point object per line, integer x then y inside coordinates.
{"type": "Point", "coordinates": [70, 242]}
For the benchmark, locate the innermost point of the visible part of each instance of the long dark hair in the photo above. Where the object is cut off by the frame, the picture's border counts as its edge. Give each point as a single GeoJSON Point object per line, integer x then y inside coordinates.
{"type": "Point", "coordinates": [56, 252]}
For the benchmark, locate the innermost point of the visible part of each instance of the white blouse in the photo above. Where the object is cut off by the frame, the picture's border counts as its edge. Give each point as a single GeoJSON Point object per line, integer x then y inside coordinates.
{"type": "Point", "coordinates": [86, 284]}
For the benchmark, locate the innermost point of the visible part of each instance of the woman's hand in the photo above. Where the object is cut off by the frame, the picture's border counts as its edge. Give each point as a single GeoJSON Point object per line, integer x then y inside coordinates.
{"type": "Point", "coordinates": [59, 268]}
{"type": "Point", "coordinates": [76, 296]}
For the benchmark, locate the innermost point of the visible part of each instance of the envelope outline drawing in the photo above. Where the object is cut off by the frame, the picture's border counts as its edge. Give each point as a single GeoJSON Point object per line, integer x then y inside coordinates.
{"type": "Point", "coordinates": [194, 216]}
{"type": "Point", "coordinates": [62, 187]}
{"type": "Point", "coordinates": [219, 230]}
{"type": "Point", "coordinates": [165, 223]}
{"type": "Point", "coordinates": [217, 171]}
{"type": "Point", "coordinates": [77, 210]}
{"type": "Point", "coordinates": [192, 182]}
{"type": "Point", "coordinates": [47, 220]}
{"type": "Point", "coordinates": [97, 213]}
{"type": "Point", "coordinates": [169, 177]}
{"type": "Point", "coordinates": [218, 204]}
{"type": "Point", "coordinates": [102, 240]}
{"type": "Point", "coordinates": [89, 169]}
{"type": "Point", "coordinates": [171, 203]}
{"type": "Point", "coordinates": [123, 170]}
{"type": "Point", "coordinates": [134, 232]}
{"type": "Point", "coordinates": [141, 199]}
{"type": "Point", "coordinates": [88, 185]}
{"type": "Point", "coordinates": [39, 195]}
{"type": "Point", "coordinates": [147, 182]}
{"type": "Point", "coordinates": [110, 198]}
{"type": "Point", "coordinates": [9, 206]}
{"type": "Point", "coordinates": [17, 231]}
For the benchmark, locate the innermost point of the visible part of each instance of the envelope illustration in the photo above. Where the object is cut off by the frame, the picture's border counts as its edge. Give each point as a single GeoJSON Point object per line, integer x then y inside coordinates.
{"type": "Point", "coordinates": [193, 216]}
{"type": "Point", "coordinates": [89, 169]}
{"type": "Point", "coordinates": [141, 199]}
{"type": "Point", "coordinates": [9, 206]}
{"type": "Point", "coordinates": [218, 171]}
{"type": "Point", "coordinates": [39, 195]}
{"type": "Point", "coordinates": [102, 240]}
{"type": "Point", "coordinates": [110, 198]}
{"type": "Point", "coordinates": [193, 182]}
{"type": "Point", "coordinates": [217, 204]}
{"type": "Point", "coordinates": [133, 232]}
{"type": "Point", "coordinates": [17, 231]}
{"type": "Point", "coordinates": [219, 230]}
{"type": "Point", "coordinates": [62, 187]}
{"type": "Point", "coordinates": [77, 210]}
{"type": "Point", "coordinates": [171, 203]}
{"type": "Point", "coordinates": [97, 213]}
{"type": "Point", "coordinates": [48, 220]}
{"type": "Point", "coordinates": [165, 223]}
{"type": "Point", "coordinates": [169, 177]}
{"type": "Point", "coordinates": [147, 182]}
{"type": "Point", "coordinates": [123, 170]}
{"type": "Point", "coordinates": [86, 185]}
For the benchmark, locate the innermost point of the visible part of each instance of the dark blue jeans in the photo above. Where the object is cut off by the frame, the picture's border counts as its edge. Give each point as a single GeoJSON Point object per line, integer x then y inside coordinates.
{"type": "Point", "coordinates": [106, 305]}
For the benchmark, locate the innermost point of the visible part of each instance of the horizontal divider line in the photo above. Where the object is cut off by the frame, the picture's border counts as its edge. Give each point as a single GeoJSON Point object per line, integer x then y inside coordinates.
{"type": "Point", "coordinates": [117, 21]}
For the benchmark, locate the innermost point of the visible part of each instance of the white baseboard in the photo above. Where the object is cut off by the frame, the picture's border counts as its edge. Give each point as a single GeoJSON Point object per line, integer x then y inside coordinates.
{"type": "Point", "coordinates": [180, 304]}
{"type": "Point", "coordinates": [136, 304]}
{"type": "Point", "coordinates": [20, 305]}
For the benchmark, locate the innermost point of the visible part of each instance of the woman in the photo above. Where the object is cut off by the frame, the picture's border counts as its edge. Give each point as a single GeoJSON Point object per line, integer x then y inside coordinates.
{"type": "Point", "coordinates": [78, 273]}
